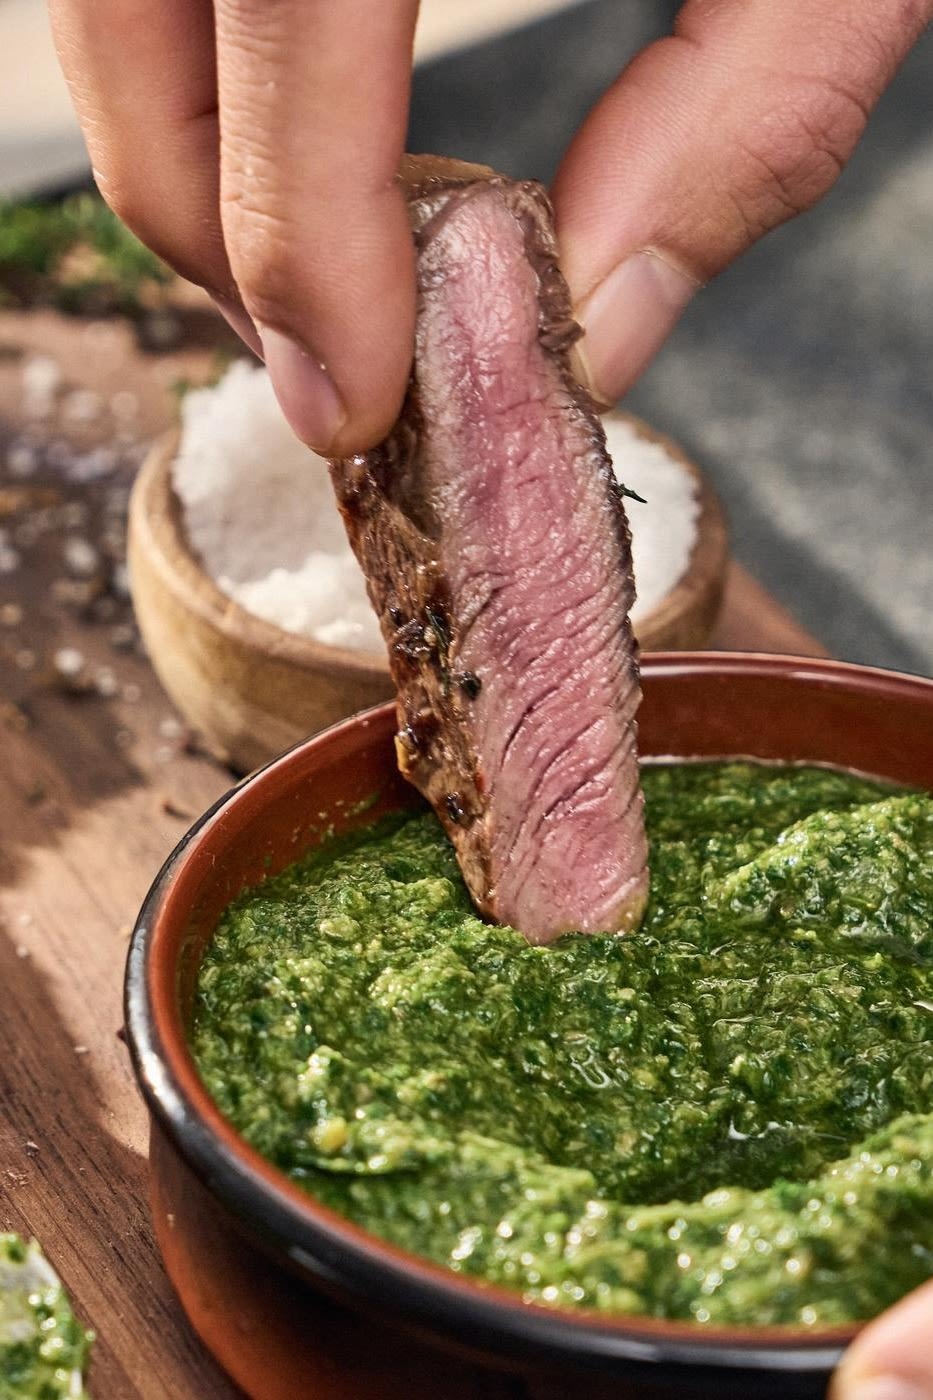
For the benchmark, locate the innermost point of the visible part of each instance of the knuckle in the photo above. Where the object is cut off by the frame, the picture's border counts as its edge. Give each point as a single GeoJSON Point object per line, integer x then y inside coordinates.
{"type": "Point", "coordinates": [196, 254]}
{"type": "Point", "coordinates": [133, 206]}
{"type": "Point", "coordinates": [261, 246]}
{"type": "Point", "coordinates": [869, 43]}
{"type": "Point", "coordinates": [124, 199]}
{"type": "Point", "coordinates": [795, 152]}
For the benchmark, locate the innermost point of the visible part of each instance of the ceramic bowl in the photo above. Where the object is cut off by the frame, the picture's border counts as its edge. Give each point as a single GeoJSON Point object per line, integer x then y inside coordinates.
{"type": "Point", "coordinates": [251, 689]}
{"type": "Point", "coordinates": [295, 1300]}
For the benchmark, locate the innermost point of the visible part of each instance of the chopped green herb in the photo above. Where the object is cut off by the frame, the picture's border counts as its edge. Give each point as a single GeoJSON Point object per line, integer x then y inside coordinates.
{"type": "Point", "coordinates": [725, 1117]}
{"type": "Point", "coordinates": [43, 1348]}
{"type": "Point", "coordinates": [77, 256]}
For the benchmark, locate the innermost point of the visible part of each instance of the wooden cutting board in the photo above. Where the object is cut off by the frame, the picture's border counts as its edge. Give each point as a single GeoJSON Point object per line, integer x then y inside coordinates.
{"type": "Point", "coordinates": [95, 789]}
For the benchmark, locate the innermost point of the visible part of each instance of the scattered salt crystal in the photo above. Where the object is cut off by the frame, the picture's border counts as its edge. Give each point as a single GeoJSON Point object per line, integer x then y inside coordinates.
{"type": "Point", "coordinates": [171, 728]}
{"type": "Point", "coordinates": [80, 556]}
{"type": "Point", "coordinates": [68, 663]}
{"type": "Point", "coordinates": [25, 919]}
{"type": "Point", "coordinates": [22, 951]}
{"type": "Point", "coordinates": [80, 1050]}
{"type": "Point", "coordinates": [92, 465]}
{"type": "Point", "coordinates": [105, 681]}
{"type": "Point", "coordinates": [9, 559]}
{"type": "Point", "coordinates": [260, 513]}
{"type": "Point", "coordinates": [42, 377]}
{"type": "Point", "coordinates": [120, 581]}
{"type": "Point", "coordinates": [81, 406]}
{"type": "Point", "coordinates": [21, 459]}
{"type": "Point", "coordinates": [11, 614]}
{"type": "Point", "coordinates": [26, 659]}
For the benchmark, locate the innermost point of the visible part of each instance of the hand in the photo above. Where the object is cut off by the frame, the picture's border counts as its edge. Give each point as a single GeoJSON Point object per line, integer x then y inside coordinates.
{"type": "Point", "coordinates": [741, 120]}
{"type": "Point", "coordinates": [893, 1358]}
{"type": "Point", "coordinates": [253, 144]}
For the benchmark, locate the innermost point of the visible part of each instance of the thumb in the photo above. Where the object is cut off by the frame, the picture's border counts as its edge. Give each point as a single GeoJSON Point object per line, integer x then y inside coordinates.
{"type": "Point", "coordinates": [740, 120]}
{"type": "Point", "coordinates": [893, 1358]}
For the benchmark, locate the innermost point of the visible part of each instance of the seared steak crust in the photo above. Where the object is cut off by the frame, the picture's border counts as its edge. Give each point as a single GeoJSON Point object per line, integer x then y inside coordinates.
{"type": "Point", "coordinates": [495, 545]}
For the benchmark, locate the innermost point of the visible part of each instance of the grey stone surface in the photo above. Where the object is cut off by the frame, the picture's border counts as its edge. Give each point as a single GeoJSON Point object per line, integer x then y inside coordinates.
{"type": "Point", "coordinates": [802, 379]}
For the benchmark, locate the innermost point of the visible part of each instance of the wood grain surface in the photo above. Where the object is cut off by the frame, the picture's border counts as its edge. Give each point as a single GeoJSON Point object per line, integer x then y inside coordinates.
{"type": "Point", "coordinates": [96, 785]}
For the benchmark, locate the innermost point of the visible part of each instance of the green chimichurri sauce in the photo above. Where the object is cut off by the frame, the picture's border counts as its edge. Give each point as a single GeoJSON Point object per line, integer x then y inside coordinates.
{"type": "Point", "coordinates": [43, 1348]}
{"type": "Point", "coordinates": [726, 1116]}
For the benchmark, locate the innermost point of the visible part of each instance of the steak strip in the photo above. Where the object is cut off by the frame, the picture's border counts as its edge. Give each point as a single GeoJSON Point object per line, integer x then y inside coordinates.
{"type": "Point", "coordinates": [494, 541]}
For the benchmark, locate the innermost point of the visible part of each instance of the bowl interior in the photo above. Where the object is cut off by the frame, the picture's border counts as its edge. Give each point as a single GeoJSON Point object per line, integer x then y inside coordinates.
{"type": "Point", "coordinates": [770, 708]}
{"type": "Point", "coordinates": [695, 706]}
{"type": "Point", "coordinates": [269, 821]}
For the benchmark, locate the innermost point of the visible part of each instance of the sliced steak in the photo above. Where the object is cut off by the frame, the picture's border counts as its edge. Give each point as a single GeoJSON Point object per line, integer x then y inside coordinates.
{"type": "Point", "coordinates": [495, 545]}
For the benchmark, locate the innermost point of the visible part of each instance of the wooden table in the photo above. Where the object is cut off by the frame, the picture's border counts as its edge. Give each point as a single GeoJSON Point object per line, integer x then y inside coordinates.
{"type": "Point", "coordinates": [95, 789]}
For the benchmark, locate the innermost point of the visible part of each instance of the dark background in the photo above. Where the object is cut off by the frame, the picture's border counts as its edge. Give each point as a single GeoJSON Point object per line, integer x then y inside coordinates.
{"type": "Point", "coordinates": [802, 379]}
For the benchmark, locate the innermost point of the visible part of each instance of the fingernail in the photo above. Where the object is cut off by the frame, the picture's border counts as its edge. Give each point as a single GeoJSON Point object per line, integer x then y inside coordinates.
{"type": "Point", "coordinates": [235, 316]}
{"type": "Point", "coordinates": [627, 318]}
{"type": "Point", "coordinates": [882, 1388]}
{"type": "Point", "coordinates": [304, 389]}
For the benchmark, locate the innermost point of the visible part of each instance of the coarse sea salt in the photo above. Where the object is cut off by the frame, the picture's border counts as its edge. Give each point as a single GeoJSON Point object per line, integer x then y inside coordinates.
{"type": "Point", "coordinates": [260, 513]}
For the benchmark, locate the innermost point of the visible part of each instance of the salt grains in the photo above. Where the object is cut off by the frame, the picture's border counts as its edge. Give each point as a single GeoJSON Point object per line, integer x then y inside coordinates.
{"type": "Point", "coordinates": [42, 379]}
{"type": "Point", "coordinates": [260, 513]}
{"type": "Point", "coordinates": [664, 529]}
{"type": "Point", "coordinates": [80, 557]}
{"type": "Point", "coordinates": [68, 665]}
{"type": "Point", "coordinates": [9, 558]}
{"type": "Point", "coordinates": [22, 459]}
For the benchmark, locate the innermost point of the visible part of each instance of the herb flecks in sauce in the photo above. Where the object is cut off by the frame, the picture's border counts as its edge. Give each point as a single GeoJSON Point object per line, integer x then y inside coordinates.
{"type": "Point", "coordinates": [43, 1348]}
{"type": "Point", "coordinates": [724, 1117]}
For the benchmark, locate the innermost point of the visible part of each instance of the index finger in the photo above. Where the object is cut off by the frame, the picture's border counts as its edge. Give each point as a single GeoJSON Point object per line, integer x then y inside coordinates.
{"type": "Point", "coordinates": [313, 113]}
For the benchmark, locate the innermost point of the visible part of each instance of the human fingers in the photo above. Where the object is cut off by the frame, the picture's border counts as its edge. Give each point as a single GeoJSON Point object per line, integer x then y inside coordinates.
{"type": "Point", "coordinates": [143, 81]}
{"type": "Point", "coordinates": [313, 112]}
{"type": "Point", "coordinates": [893, 1358]}
{"type": "Point", "coordinates": [741, 119]}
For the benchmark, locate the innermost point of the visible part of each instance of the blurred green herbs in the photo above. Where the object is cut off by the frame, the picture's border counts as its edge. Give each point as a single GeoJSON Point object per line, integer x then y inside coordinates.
{"type": "Point", "coordinates": [76, 256]}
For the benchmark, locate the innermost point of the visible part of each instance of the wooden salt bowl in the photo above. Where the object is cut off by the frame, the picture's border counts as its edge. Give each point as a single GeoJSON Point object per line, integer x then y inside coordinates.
{"type": "Point", "coordinates": [251, 689]}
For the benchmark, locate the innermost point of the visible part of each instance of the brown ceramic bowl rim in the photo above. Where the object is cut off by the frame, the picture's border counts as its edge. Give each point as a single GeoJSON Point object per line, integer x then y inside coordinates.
{"type": "Point", "coordinates": [346, 1260]}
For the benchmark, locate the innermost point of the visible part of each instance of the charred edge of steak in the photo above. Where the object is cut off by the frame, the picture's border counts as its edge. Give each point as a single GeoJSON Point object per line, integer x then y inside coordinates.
{"type": "Point", "coordinates": [411, 600]}
{"type": "Point", "coordinates": [388, 523]}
